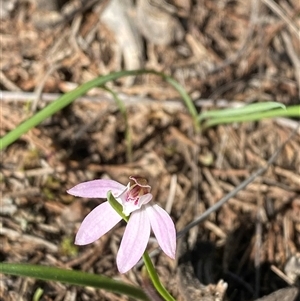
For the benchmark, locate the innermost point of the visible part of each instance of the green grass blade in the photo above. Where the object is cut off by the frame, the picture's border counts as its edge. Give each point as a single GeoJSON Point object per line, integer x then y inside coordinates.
{"type": "Point", "coordinates": [123, 111]}
{"type": "Point", "coordinates": [245, 110]}
{"type": "Point", "coordinates": [72, 277]}
{"type": "Point", "coordinates": [186, 98]}
{"type": "Point", "coordinates": [69, 97]}
{"type": "Point", "coordinates": [291, 111]}
{"type": "Point", "coordinates": [57, 105]}
{"type": "Point", "coordinates": [38, 294]}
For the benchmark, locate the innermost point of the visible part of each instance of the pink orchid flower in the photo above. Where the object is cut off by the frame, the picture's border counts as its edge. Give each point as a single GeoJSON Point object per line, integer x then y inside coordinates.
{"type": "Point", "coordinates": [144, 216]}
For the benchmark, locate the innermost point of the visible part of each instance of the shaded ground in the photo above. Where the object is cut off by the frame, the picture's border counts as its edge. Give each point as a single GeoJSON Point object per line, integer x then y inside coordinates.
{"type": "Point", "coordinates": [225, 50]}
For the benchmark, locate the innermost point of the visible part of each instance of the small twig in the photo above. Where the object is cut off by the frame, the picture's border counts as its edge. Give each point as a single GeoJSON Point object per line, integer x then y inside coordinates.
{"type": "Point", "coordinates": [258, 244]}
{"type": "Point", "coordinates": [231, 194]}
{"type": "Point", "coordinates": [293, 56]}
{"type": "Point", "coordinates": [33, 240]}
{"type": "Point", "coordinates": [8, 83]}
{"type": "Point", "coordinates": [281, 275]}
{"type": "Point", "coordinates": [280, 13]}
{"type": "Point", "coordinates": [172, 192]}
{"type": "Point", "coordinates": [21, 96]}
{"type": "Point", "coordinates": [248, 38]}
{"type": "Point", "coordinates": [39, 89]}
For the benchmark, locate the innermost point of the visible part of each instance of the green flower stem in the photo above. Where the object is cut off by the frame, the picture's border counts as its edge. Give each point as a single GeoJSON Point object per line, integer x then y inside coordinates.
{"type": "Point", "coordinates": [291, 111]}
{"type": "Point", "coordinates": [72, 277]}
{"type": "Point", "coordinates": [69, 97]}
{"type": "Point", "coordinates": [155, 279]}
{"type": "Point", "coordinates": [123, 111]}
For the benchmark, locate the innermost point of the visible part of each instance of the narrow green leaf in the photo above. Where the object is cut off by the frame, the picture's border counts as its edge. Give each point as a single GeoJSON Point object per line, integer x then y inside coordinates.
{"type": "Point", "coordinates": [72, 277]}
{"type": "Point", "coordinates": [69, 97]}
{"type": "Point", "coordinates": [291, 111]}
{"type": "Point", "coordinates": [123, 111]}
{"type": "Point", "coordinates": [37, 294]}
{"type": "Point", "coordinates": [245, 110]}
{"type": "Point", "coordinates": [186, 98]}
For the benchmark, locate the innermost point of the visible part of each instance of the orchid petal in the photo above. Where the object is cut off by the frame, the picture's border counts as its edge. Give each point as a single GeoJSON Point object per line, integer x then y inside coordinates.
{"type": "Point", "coordinates": [97, 189]}
{"type": "Point", "coordinates": [163, 228]}
{"type": "Point", "coordinates": [144, 199]}
{"type": "Point", "coordinates": [98, 222]}
{"type": "Point", "coordinates": [134, 241]}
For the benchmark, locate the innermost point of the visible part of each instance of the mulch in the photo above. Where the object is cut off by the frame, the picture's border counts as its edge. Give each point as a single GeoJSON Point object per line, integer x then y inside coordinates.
{"type": "Point", "coordinates": [230, 52]}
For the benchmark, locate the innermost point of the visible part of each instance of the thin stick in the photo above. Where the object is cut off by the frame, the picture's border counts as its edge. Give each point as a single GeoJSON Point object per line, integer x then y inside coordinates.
{"type": "Point", "coordinates": [280, 13]}
{"type": "Point", "coordinates": [240, 187]}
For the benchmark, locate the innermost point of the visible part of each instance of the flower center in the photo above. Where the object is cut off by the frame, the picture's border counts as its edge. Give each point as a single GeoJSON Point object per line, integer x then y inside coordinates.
{"type": "Point", "coordinates": [136, 195]}
{"type": "Point", "coordinates": [138, 187]}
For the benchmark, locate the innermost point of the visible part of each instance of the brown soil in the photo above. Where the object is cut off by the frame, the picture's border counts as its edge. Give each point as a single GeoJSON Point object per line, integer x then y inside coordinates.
{"type": "Point", "coordinates": [229, 52]}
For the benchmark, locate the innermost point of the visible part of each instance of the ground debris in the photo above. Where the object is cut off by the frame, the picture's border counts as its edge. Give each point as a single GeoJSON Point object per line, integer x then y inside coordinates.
{"type": "Point", "coordinates": [229, 51]}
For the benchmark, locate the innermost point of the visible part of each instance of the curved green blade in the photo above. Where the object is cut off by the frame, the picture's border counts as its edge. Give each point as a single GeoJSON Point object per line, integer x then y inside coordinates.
{"type": "Point", "coordinates": [72, 277]}
{"type": "Point", "coordinates": [245, 110]}
{"type": "Point", "coordinates": [291, 111]}
{"type": "Point", "coordinates": [69, 97]}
